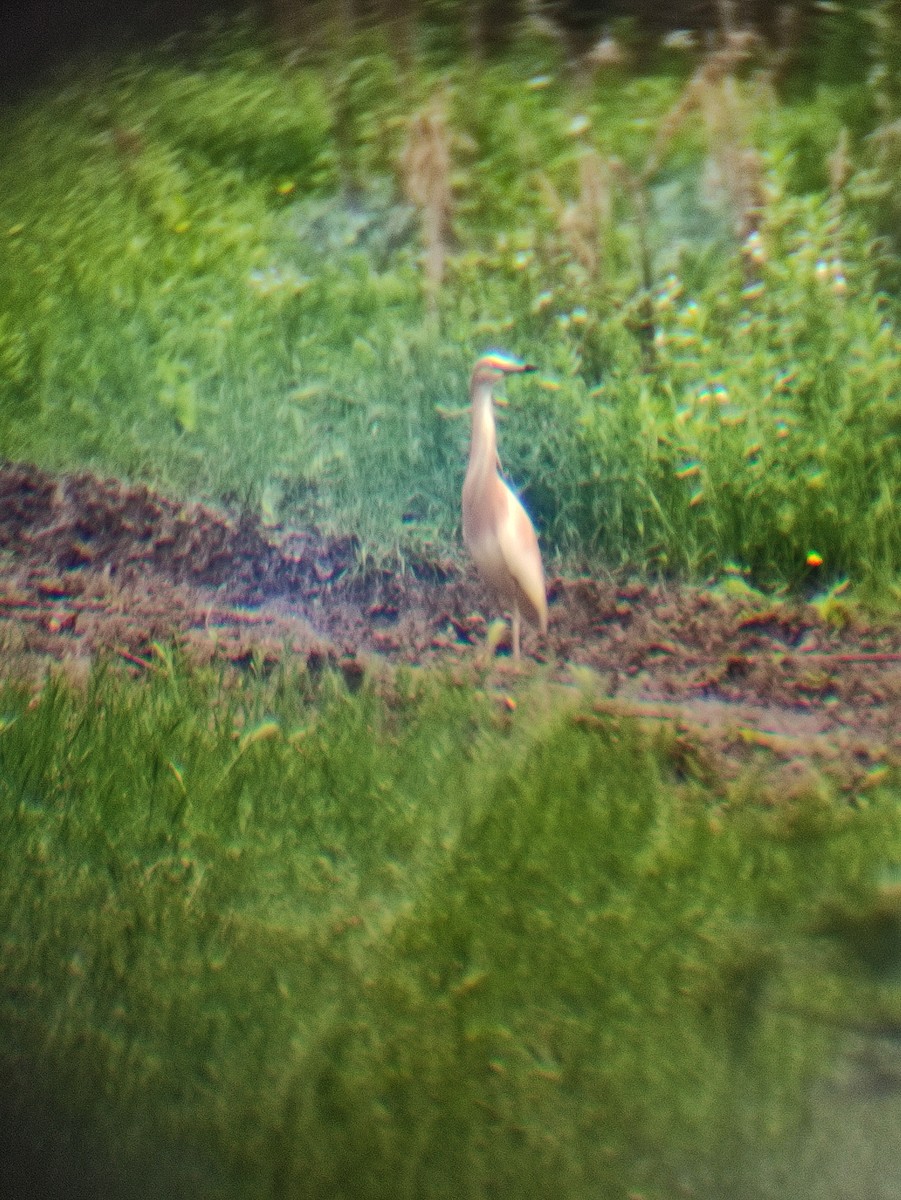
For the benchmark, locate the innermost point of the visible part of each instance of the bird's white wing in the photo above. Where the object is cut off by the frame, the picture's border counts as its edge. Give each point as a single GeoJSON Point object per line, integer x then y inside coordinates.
{"type": "Point", "coordinates": [519, 546]}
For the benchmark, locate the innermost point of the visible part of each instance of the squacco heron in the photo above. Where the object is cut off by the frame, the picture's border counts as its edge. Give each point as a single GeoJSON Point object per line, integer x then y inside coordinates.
{"type": "Point", "coordinates": [496, 528]}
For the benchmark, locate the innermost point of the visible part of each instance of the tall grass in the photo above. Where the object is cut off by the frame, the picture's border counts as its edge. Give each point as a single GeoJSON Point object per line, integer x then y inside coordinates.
{"type": "Point", "coordinates": [210, 279]}
{"type": "Point", "coordinates": [280, 938]}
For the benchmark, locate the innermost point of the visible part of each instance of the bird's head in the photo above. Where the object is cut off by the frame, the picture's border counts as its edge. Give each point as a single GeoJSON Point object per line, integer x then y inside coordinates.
{"type": "Point", "coordinates": [493, 366]}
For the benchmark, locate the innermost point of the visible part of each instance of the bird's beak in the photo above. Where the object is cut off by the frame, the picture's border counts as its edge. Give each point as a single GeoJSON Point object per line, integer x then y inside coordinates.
{"type": "Point", "coordinates": [519, 369]}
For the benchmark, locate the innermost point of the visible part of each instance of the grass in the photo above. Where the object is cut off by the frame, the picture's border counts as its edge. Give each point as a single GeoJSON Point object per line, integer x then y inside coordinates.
{"type": "Point", "coordinates": [277, 937]}
{"type": "Point", "coordinates": [398, 941]}
{"type": "Point", "coordinates": [210, 281]}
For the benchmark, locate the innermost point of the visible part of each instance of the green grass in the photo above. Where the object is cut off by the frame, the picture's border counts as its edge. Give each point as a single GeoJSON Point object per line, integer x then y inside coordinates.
{"type": "Point", "coordinates": [278, 938]}
{"type": "Point", "coordinates": [209, 280]}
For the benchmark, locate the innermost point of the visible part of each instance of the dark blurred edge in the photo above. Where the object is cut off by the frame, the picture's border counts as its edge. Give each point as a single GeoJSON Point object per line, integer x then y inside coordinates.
{"type": "Point", "coordinates": [53, 1146]}
{"type": "Point", "coordinates": [39, 35]}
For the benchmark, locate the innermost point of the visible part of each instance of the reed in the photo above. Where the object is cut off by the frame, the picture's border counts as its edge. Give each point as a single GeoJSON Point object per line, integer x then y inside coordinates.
{"type": "Point", "coordinates": [425, 168]}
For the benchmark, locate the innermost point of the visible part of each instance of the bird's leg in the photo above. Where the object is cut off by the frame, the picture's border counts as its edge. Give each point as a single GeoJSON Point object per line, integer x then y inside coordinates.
{"type": "Point", "coordinates": [515, 631]}
{"type": "Point", "coordinates": [493, 635]}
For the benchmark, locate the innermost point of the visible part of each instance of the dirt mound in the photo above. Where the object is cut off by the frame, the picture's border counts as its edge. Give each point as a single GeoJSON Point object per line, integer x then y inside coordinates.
{"type": "Point", "coordinates": [80, 521]}
{"type": "Point", "coordinates": [90, 565]}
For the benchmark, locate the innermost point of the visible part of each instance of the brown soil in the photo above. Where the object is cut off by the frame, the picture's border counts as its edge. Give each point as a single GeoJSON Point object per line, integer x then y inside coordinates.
{"type": "Point", "coordinates": [91, 566]}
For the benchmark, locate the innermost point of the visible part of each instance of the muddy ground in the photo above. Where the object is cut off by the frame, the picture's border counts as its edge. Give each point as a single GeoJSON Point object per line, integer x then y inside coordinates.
{"type": "Point", "coordinates": [92, 567]}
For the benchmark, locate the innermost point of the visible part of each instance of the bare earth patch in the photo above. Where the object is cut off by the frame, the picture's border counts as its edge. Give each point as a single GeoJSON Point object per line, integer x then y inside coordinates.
{"type": "Point", "coordinates": [93, 567]}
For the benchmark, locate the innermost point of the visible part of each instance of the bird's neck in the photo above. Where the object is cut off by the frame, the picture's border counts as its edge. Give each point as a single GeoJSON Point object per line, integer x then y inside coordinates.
{"type": "Point", "coordinates": [483, 447]}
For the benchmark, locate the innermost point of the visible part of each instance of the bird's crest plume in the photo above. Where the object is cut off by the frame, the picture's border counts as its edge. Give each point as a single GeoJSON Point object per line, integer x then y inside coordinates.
{"type": "Point", "coordinates": [497, 360]}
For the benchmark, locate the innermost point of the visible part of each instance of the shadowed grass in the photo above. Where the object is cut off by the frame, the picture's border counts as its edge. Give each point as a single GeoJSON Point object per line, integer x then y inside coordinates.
{"type": "Point", "coordinates": [400, 943]}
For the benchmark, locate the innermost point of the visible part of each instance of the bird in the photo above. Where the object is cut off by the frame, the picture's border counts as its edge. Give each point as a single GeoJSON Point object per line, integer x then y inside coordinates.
{"type": "Point", "coordinates": [497, 531]}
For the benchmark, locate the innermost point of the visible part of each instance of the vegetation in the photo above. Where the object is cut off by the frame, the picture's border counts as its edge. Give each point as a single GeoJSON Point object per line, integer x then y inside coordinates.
{"type": "Point", "coordinates": [265, 284]}
{"type": "Point", "coordinates": [400, 936]}
{"type": "Point", "coordinates": [401, 941]}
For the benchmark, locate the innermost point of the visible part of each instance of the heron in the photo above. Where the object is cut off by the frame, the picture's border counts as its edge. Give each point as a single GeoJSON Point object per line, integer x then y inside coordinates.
{"type": "Point", "coordinates": [497, 530]}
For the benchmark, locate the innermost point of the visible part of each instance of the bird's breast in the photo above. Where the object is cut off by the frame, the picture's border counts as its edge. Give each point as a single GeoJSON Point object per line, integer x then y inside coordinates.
{"type": "Point", "coordinates": [486, 510]}
{"type": "Point", "coordinates": [484, 505]}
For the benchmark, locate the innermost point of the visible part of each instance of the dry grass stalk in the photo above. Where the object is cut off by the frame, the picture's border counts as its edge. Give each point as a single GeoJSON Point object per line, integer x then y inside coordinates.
{"type": "Point", "coordinates": [788, 38]}
{"type": "Point", "coordinates": [840, 169]}
{"type": "Point", "coordinates": [733, 169]}
{"type": "Point", "coordinates": [636, 188]}
{"type": "Point", "coordinates": [128, 142]}
{"type": "Point", "coordinates": [702, 94]}
{"type": "Point", "coordinates": [886, 141]}
{"type": "Point", "coordinates": [840, 164]}
{"type": "Point", "coordinates": [425, 166]}
{"type": "Point", "coordinates": [583, 226]}
{"type": "Point", "coordinates": [583, 222]}
{"type": "Point", "coordinates": [727, 11]}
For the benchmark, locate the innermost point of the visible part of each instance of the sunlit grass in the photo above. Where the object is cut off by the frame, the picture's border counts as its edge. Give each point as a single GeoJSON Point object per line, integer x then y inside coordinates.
{"type": "Point", "coordinates": [209, 281]}
{"type": "Point", "coordinates": [398, 942]}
